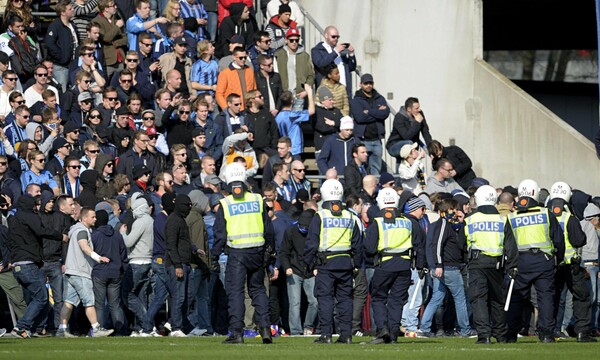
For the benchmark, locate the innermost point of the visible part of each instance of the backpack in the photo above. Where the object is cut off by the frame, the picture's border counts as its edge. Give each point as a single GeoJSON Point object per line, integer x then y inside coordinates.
{"type": "Point", "coordinates": [27, 55]}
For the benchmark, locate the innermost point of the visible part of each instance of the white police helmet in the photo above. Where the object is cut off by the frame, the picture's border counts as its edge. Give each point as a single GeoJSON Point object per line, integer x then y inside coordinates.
{"type": "Point", "coordinates": [387, 198]}
{"type": "Point", "coordinates": [560, 190]}
{"type": "Point", "coordinates": [332, 190]}
{"type": "Point", "coordinates": [486, 195]}
{"type": "Point", "coordinates": [529, 188]}
{"type": "Point", "coordinates": [235, 172]}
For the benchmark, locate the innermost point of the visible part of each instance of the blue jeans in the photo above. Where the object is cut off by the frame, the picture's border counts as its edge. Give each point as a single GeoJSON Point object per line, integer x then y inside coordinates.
{"type": "Point", "coordinates": [410, 317]}
{"type": "Point", "coordinates": [159, 276]}
{"type": "Point", "coordinates": [295, 284]}
{"type": "Point", "coordinates": [53, 272]}
{"type": "Point", "coordinates": [178, 294]}
{"type": "Point", "coordinates": [213, 19]}
{"type": "Point", "coordinates": [136, 279]}
{"type": "Point", "coordinates": [451, 280]}
{"type": "Point", "coordinates": [31, 278]}
{"type": "Point", "coordinates": [109, 289]}
{"type": "Point", "coordinates": [61, 74]}
{"type": "Point", "coordinates": [375, 150]}
{"type": "Point", "coordinates": [594, 284]}
{"type": "Point", "coordinates": [200, 290]}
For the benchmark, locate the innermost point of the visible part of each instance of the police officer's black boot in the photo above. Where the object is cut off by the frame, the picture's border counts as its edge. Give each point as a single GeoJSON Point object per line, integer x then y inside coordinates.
{"type": "Point", "coordinates": [265, 334]}
{"type": "Point", "coordinates": [323, 339]}
{"type": "Point", "coordinates": [234, 339]}
{"type": "Point", "coordinates": [383, 337]}
{"type": "Point", "coordinates": [344, 340]}
{"type": "Point", "coordinates": [483, 340]}
{"type": "Point", "coordinates": [585, 337]}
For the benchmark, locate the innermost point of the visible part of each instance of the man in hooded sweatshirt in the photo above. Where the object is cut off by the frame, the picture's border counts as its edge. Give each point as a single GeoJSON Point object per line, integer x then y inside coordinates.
{"type": "Point", "coordinates": [87, 197]}
{"type": "Point", "coordinates": [200, 289]}
{"type": "Point", "coordinates": [78, 271]}
{"type": "Point", "coordinates": [237, 23]}
{"type": "Point", "coordinates": [106, 277]}
{"type": "Point", "coordinates": [139, 242]}
{"type": "Point", "coordinates": [178, 256]}
{"type": "Point", "coordinates": [105, 165]}
{"type": "Point", "coordinates": [25, 244]}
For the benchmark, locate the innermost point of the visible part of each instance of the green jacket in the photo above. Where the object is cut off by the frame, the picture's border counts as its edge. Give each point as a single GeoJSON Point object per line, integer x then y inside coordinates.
{"type": "Point", "coordinates": [305, 72]}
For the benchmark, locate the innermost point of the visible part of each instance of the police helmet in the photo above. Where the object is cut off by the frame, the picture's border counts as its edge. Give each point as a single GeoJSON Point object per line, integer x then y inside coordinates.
{"type": "Point", "coordinates": [529, 188]}
{"type": "Point", "coordinates": [387, 198]}
{"type": "Point", "coordinates": [560, 190]}
{"type": "Point", "coordinates": [235, 172]}
{"type": "Point", "coordinates": [332, 190]}
{"type": "Point", "coordinates": [486, 195]}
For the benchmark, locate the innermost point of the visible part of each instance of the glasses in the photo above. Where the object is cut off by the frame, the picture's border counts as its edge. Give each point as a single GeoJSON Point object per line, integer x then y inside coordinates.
{"type": "Point", "coordinates": [238, 104]}
{"type": "Point", "coordinates": [94, 151]}
{"type": "Point", "coordinates": [20, 102]}
{"type": "Point", "coordinates": [87, 81]}
{"type": "Point", "coordinates": [12, 78]}
{"type": "Point", "coordinates": [88, 54]}
{"type": "Point", "coordinates": [110, 165]}
{"type": "Point", "coordinates": [146, 44]}
{"type": "Point", "coordinates": [266, 41]}
{"type": "Point", "coordinates": [259, 97]}
{"type": "Point", "coordinates": [24, 116]}
{"type": "Point", "coordinates": [87, 102]}
{"type": "Point", "coordinates": [42, 74]}
{"type": "Point", "coordinates": [41, 161]}
{"type": "Point", "coordinates": [75, 131]}
{"type": "Point", "coordinates": [448, 170]}
{"type": "Point", "coordinates": [294, 40]}
{"type": "Point", "coordinates": [241, 57]}
{"type": "Point", "coordinates": [299, 170]}
{"type": "Point", "coordinates": [111, 98]}
{"type": "Point", "coordinates": [3, 163]}
{"type": "Point", "coordinates": [75, 167]}
{"type": "Point", "coordinates": [18, 1]}
{"type": "Point", "coordinates": [170, 182]}
{"type": "Point", "coordinates": [126, 81]}
{"type": "Point", "coordinates": [153, 137]}
{"type": "Point", "coordinates": [270, 64]}
{"type": "Point", "coordinates": [132, 60]}
{"type": "Point", "coordinates": [182, 112]}
{"type": "Point", "coordinates": [148, 118]}
{"type": "Point", "coordinates": [94, 116]}
{"type": "Point", "coordinates": [182, 154]}
{"type": "Point", "coordinates": [335, 36]}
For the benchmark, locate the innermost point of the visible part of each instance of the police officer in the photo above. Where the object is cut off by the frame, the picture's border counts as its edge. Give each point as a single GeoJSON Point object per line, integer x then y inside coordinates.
{"type": "Point", "coordinates": [242, 228]}
{"type": "Point", "coordinates": [393, 239]}
{"type": "Point", "coordinates": [569, 271]}
{"type": "Point", "coordinates": [484, 233]}
{"type": "Point", "coordinates": [334, 244]}
{"type": "Point", "coordinates": [541, 246]}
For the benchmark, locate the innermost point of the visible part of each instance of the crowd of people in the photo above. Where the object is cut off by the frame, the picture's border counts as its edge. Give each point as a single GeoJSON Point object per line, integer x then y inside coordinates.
{"type": "Point", "coordinates": [157, 153]}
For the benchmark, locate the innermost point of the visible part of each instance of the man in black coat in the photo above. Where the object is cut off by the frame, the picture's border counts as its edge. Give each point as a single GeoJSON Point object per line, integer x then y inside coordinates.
{"type": "Point", "coordinates": [409, 125]}
{"type": "Point", "coordinates": [268, 83]}
{"type": "Point", "coordinates": [356, 170]}
{"type": "Point", "coordinates": [463, 174]}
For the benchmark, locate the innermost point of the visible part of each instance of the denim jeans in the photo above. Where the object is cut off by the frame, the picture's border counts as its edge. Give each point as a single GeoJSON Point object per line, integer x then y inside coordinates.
{"type": "Point", "coordinates": [159, 276]}
{"type": "Point", "coordinates": [136, 279]}
{"type": "Point", "coordinates": [375, 150]}
{"type": "Point", "coordinates": [594, 284]}
{"type": "Point", "coordinates": [200, 290]}
{"type": "Point", "coordinates": [178, 294]}
{"type": "Point", "coordinates": [109, 289]}
{"type": "Point", "coordinates": [53, 272]}
{"type": "Point", "coordinates": [213, 19]}
{"type": "Point", "coordinates": [451, 280]}
{"type": "Point", "coordinates": [61, 74]}
{"type": "Point", "coordinates": [32, 280]}
{"type": "Point", "coordinates": [410, 317]}
{"type": "Point", "coordinates": [295, 284]}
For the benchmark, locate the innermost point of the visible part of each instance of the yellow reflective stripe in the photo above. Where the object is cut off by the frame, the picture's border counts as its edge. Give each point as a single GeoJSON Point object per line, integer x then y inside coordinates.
{"type": "Point", "coordinates": [245, 229]}
{"type": "Point", "coordinates": [336, 238]}
{"type": "Point", "coordinates": [488, 241]}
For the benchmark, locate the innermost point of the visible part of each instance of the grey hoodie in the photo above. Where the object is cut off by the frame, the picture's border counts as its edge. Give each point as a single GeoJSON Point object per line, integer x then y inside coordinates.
{"type": "Point", "coordinates": [78, 263]}
{"type": "Point", "coordinates": [46, 145]}
{"type": "Point", "coordinates": [140, 240]}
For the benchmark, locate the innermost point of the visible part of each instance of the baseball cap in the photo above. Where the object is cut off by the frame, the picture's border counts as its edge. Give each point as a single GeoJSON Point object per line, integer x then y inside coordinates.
{"type": "Point", "coordinates": [406, 149]}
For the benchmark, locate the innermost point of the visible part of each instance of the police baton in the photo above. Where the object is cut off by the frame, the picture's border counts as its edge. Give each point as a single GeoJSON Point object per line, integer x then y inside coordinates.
{"type": "Point", "coordinates": [414, 297]}
{"type": "Point", "coordinates": [510, 290]}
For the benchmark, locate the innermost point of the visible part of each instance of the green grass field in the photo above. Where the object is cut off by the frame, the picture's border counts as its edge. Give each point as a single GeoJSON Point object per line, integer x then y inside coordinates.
{"type": "Point", "coordinates": [286, 348]}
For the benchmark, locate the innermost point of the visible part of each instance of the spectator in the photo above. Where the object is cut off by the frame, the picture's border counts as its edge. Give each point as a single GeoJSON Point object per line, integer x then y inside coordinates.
{"type": "Point", "coordinates": [232, 118]}
{"type": "Point", "coordinates": [213, 132]}
{"type": "Point", "coordinates": [332, 82]}
{"type": "Point", "coordinates": [330, 52]}
{"type": "Point", "coordinates": [105, 165]}
{"type": "Point", "coordinates": [167, 42]}
{"type": "Point", "coordinates": [279, 25]}
{"type": "Point", "coordinates": [61, 42]}
{"type": "Point", "coordinates": [268, 82]}
{"type": "Point", "coordinates": [34, 93]}
{"type": "Point", "coordinates": [463, 173]}
{"type": "Point", "coordinates": [85, 102]}
{"type": "Point", "coordinates": [327, 118]}
{"type": "Point", "coordinates": [179, 61]}
{"type": "Point", "coordinates": [409, 125]}
{"type": "Point", "coordinates": [83, 12]}
{"type": "Point", "coordinates": [113, 39]}
{"type": "Point", "coordinates": [121, 133]}
{"type": "Point", "coordinates": [280, 180]}
{"type": "Point", "coordinates": [236, 145]}
{"type": "Point", "coordinates": [138, 154]}
{"type": "Point", "coordinates": [93, 41]}
{"type": "Point", "coordinates": [142, 82]}
{"type": "Point", "coordinates": [9, 82]}
{"type": "Point", "coordinates": [21, 49]}
{"type": "Point", "coordinates": [204, 72]}
{"type": "Point", "coordinates": [141, 174]}
{"type": "Point", "coordinates": [262, 46]}
{"type": "Point", "coordinates": [412, 168]}
{"type": "Point", "coordinates": [337, 150]}
{"type": "Point", "coordinates": [297, 15]}
{"type": "Point", "coordinates": [264, 138]}
{"type": "Point", "coordinates": [370, 111]}
{"type": "Point", "coordinates": [288, 121]}
{"type": "Point", "coordinates": [70, 98]}
{"type": "Point", "coordinates": [441, 180]}
{"type": "Point", "coordinates": [16, 132]}
{"type": "Point", "coordinates": [36, 173]}
{"type": "Point", "coordinates": [140, 22]}
{"type": "Point", "coordinates": [180, 178]}
{"type": "Point", "coordinates": [195, 17]}
{"type": "Point", "coordinates": [298, 179]}
{"type": "Point", "coordinates": [23, 10]}
{"type": "Point", "coordinates": [179, 129]}
{"type": "Point", "coordinates": [229, 81]}
{"type": "Point", "coordinates": [89, 182]}
{"type": "Point", "coordinates": [237, 23]}
{"type": "Point", "coordinates": [14, 99]}
{"type": "Point", "coordinates": [172, 12]}
{"type": "Point", "coordinates": [149, 66]}
{"type": "Point", "coordinates": [356, 170]}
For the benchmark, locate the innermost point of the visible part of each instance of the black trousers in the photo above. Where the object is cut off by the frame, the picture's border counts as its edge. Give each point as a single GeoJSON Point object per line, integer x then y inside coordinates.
{"type": "Point", "coordinates": [578, 286]}
{"type": "Point", "coordinates": [487, 297]}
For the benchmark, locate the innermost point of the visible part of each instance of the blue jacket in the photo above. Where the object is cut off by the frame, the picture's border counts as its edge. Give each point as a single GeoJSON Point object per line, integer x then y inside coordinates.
{"type": "Point", "coordinates": [374, 116]}
{"type": "Point", "coordinates": [336, 153]}
{"type": "Point", "coordinates": [214, 139]}
{"type": "Point", "coordinates": [321, 58]}
{"type": "Point", "coordinates": [288, 123]}
{"type": "Point", "coordinates": [108, 242]}
{"type": "Point", "coordinates": [59, 43]}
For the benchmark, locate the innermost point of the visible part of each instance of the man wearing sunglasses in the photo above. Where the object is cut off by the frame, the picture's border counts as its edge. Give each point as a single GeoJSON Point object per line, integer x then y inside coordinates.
{"type": "Point", "coordinates": [330, 51]}
{"type": "Point", "coordinates": [262, 46]}
{"type": "Point", "coordinates": [304, 72]}
{"type": "Point", "coordinates": [89, 63]}
{"type": "Point", "coordinates": [34, 93]}
{"type": "Point", "coordinates": [9, 83]}
{"type": "Point", "coordinates": [56, 163]}
{"type": "Point", "coordinates": [279, 25]}
{"type": "Point", "coordinates": [229, 81]}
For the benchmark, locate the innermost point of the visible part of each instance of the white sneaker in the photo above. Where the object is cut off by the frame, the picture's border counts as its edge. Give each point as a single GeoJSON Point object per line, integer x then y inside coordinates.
{"type": "Point", "coordinates": [177, 333]}
{"type": "Point", "coordinates": [143, 334]}
{"type": "Point", "coordinates": [168, 326]}
{"type": "Point", "coordinates": [64, 333]}
{"type": "Point", "coordinates": [154, 333]}
{"type": "Point", "coordinates": [197, 332]}
{"type": "Point", "coordinates": [101, 332]}
{"type": "Point", "coordinates": [2, 332]}
{"type": "Point", "coordinates": [135, 333]}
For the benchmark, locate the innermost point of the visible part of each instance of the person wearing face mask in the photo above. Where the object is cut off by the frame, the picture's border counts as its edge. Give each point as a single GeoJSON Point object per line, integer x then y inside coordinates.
{"type": "Point", "coordinates": [445, 254]}
{"type": "Point", "coordinates": [297, 278]}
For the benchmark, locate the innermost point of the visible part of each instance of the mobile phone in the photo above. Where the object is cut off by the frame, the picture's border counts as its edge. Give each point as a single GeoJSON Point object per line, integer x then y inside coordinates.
{"type": "Point", "coordinates": [346, 44]}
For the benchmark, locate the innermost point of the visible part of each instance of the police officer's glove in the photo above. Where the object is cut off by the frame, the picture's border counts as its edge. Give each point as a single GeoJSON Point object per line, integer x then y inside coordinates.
{"type": "Point", "coordinates": [422, 273]}
{"type": "Point", "coordinates": [268, 256]}
{"type": "Point", "coordinates": [214, 264]}
{"type": "Point", "coordinates": [512, 273]}
{"type": "Point", "coordinates": [355, 272]}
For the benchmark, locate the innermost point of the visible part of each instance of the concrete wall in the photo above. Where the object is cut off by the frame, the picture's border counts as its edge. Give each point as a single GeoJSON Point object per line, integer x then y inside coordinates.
{"type": "Point", "coordinates": [519, 138]}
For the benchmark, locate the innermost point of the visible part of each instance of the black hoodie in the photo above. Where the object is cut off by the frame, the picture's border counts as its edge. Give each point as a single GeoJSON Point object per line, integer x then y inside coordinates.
{"type": "Point", "coordinates": [27, 231]}
{"type": "Point", "coordinates": [232, 25]}
{"type": "Point", "coordinates": [177, 236]}
{"type": "Point", "coordinates": [87, 197]}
